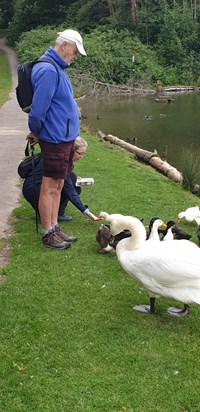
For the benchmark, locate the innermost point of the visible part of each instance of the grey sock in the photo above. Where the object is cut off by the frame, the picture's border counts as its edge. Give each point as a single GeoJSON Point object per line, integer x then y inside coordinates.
{"type": "Point", "coordinates": [45, 231]}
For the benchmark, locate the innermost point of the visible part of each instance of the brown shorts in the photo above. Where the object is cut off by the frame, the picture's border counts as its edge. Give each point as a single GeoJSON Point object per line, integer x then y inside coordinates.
{"type": "Point", "coordinates": [57, 159]}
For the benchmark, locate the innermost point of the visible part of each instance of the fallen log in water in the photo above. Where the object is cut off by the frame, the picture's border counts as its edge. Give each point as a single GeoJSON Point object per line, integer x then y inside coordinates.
{"type": "Point", "coordinates": [149, 157]}
{"type": "Point", "coordinates": [179, 89]}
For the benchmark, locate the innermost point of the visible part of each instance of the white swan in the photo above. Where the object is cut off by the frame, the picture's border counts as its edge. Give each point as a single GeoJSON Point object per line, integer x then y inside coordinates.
{"type": "Point", "coordinates": [169, 269]}
{"type": "Point", "coordinates": [197, 220]}
{"type": "Point", "coordinates": [189, 214]}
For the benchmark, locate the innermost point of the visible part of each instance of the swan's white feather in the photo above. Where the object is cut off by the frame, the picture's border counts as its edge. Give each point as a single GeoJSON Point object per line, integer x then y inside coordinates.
{"type": "Point", "coordinates": [170, 269]}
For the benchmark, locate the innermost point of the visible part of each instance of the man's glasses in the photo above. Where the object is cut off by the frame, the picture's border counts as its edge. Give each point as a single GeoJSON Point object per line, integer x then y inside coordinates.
{"type": "Point", "coordinates": [80, 153]}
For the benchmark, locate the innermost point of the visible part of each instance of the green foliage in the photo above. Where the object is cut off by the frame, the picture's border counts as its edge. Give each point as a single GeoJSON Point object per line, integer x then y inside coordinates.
{"type": "Point", "coordinates": [29, 15]}
{"type": "Point", "coordinates": [87, 15]}
{"type": "Point", "coordinates": [177, 35]}
{"type": "Point", "coordinates": [149, 20]}
{"type": "Point", "coordinates": [34, 43]}
{"type": "Point", "coordinates": [164, 38]}
{"type": "Point", "coordinates": [6, 12]}
{"type": "Point", "coordinates": [109, 55]}
{"type": "Point", "coordinates": [24, 18]}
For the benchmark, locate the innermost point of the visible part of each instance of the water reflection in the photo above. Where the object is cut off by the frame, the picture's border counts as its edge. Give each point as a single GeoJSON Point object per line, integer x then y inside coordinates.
{"type": "Point", "coordinates": [154, 124]}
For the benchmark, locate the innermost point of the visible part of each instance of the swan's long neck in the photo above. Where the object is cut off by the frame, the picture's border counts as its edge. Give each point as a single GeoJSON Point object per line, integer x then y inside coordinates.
{"type": "Point", "coordinates": [138, 232]}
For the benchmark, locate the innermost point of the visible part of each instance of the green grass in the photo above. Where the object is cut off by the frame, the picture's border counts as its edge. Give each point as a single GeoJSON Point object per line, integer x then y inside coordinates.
{"type": "Point", "coordinates": [5, 78]}
{"type": "Point", "coordinates": [70, 341]}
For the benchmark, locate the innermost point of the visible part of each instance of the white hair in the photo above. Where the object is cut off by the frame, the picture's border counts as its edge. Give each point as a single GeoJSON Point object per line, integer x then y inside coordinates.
{"type": "Point", "coordinates": [80, 142]}
{"type": "Point", "coordinates": [61, 40]}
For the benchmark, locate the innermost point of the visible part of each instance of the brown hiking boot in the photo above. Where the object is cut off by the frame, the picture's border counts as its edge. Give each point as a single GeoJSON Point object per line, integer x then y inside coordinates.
{"type": "Point", "coordinates": [53, 241]}
{"type": "Point", "coordinates": [63, 236]}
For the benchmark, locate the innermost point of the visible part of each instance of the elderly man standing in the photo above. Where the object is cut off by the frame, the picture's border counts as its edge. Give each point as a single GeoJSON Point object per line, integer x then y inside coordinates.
{"type": "Point", "coordinates": [54, 123]}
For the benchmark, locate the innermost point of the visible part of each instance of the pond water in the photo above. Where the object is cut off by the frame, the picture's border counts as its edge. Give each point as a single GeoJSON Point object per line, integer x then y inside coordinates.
{"type": "Point", "coordinates": [154, 124]}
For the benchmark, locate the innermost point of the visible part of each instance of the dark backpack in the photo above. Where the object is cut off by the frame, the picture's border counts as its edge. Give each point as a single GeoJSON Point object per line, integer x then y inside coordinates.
{"type": "Point", "coordinates": [24, 89]}
{"type": "Point", "coordinates": [26, 165]}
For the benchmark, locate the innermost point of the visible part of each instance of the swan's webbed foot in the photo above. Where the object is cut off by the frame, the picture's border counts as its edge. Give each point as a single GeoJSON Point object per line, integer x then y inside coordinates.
{"type": "Point", "coordinates": [146, 308]}
{"type": "Point", "coordinates": [142, 308]}
{"type": "Point", "coordinates": [178, 312]}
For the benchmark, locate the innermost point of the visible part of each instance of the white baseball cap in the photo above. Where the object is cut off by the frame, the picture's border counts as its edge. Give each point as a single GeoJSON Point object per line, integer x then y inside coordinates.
{"type": "Point", "coordinates": [75, 37]}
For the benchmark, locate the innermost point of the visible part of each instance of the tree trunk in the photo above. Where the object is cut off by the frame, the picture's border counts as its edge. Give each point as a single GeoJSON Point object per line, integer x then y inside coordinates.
{"type": "Point", "coordinates": [195, 10]}
{"type": "Point", "coordinates": [110, 7]}
{"type": "Point", "coordinates": [149, 157]}
{"type": "Point", "coordinates": [133, 16]}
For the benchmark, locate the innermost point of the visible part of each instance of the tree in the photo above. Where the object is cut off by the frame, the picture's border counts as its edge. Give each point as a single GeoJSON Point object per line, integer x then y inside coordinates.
{"type": "Point", "coordinates": [149, 19]}
{"type": "Point", "coordinates": [28, 15]}
{"type": "Point", "coordinates": [177, 36]}
{"type": "Point", "coordinates": [133, 15]}
{"type": "Point", "coordinates": [6, 13]}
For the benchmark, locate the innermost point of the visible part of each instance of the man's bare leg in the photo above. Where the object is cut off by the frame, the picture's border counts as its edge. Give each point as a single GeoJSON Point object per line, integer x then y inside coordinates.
{"type": "Point", "coordinates": [49, 201]}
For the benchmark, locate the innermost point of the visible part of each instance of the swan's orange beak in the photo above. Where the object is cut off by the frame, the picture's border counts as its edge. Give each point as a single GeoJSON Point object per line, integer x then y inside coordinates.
{"type": "Point", "coordinates": [178, 220]}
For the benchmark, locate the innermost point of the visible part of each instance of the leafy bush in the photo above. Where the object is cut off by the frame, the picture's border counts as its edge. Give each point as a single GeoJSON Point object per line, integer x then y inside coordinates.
{"type": "Point", "coordinates": [34, 43]}
{"type": "Point", "coordinates": [110, 54]}
{"type": "Point", "coordinates": [110, 58]}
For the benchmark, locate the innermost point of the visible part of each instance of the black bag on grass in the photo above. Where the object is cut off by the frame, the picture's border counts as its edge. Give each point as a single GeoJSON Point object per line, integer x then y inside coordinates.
{"type": "Point", "coordinates": [26, 166]}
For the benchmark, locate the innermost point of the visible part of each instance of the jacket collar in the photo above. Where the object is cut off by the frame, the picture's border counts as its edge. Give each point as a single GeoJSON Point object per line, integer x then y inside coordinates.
{"type": "Point", "coordinates": [52, 54]}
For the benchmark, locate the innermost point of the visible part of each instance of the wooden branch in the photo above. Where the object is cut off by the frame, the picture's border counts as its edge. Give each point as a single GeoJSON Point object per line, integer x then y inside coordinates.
{"type": "Point", "coordinates": [149, 157]}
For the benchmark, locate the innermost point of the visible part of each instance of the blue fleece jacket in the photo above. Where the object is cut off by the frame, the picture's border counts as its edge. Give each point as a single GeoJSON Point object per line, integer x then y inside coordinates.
{"type": "Point", "coordinates": [53, 116]}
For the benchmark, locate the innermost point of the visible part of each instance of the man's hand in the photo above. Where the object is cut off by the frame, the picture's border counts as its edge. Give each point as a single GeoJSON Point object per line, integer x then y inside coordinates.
{"type": "Point", "coordinates": [33, 139]}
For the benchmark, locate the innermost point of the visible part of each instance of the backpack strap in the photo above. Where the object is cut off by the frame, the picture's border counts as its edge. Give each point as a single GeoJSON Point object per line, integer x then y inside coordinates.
{"type": "Point", "coordinates": [47, 60]}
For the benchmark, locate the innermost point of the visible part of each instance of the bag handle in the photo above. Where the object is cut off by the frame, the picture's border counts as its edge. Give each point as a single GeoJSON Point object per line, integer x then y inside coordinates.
{"type": "Point", "coordinates": [29, 147]}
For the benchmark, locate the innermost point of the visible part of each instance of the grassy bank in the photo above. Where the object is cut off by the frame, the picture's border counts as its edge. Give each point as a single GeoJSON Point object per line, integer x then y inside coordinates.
{"type": "Point", "coordinates": [5, 78]}
{"type": "Point", "coordinates": [69, 338]}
